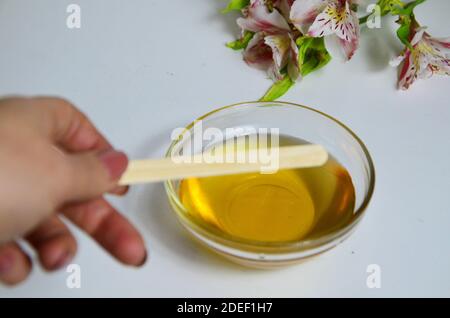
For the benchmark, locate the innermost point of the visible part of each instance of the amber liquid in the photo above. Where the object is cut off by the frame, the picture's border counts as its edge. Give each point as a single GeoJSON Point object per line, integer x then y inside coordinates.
{"type": "Point", "coordinates": [290, 205]}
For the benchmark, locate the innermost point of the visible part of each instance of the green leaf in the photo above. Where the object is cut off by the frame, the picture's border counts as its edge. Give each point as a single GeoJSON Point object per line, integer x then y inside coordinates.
{"type": "Point", "coordinates": [242, 42]}
{"type": "Point", "coordinates": [316, 62]}
{"type": "Point", "coordinates": [278, 89]}
{"type": "Point", "coordinates": [407, 22]}
{"type": "Point", "coordinates": [313, 54]}
{"type": "Point", "coordinates": [236, 5]}
{"type": "Point", "coordinates": [303, 44]}
{"type": "Point", "coordinates": [403, 32]}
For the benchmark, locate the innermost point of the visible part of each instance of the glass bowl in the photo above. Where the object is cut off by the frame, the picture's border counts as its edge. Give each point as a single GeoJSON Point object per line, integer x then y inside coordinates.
{"type": "Point", "coordinates": [293, 120]}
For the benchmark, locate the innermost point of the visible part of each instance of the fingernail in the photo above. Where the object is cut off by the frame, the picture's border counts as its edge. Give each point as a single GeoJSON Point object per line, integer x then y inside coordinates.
{"type": "Point", "coordinates": [115, 162]}
{"type": "Point", "coordinates": [120, 190]}
{"type": "Point", "coordinates": [6, 263]}
{"type": "Point", "coordinates": [64, 259]}
{"type": "Point", "coordinates": [144, 260]}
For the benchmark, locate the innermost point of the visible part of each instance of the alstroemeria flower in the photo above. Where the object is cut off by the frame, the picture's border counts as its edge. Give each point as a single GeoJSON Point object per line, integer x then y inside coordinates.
{"type": "Point", "coordinates": [258, 18]}
{"type": "Point", "coordinates": [272, 48]}
{"type": "Point", "coordinates": [428, 56]}
{"type": "Point", "coordinates": [272, 53]}
{"type": "Point", "coordinates": [317, 18]}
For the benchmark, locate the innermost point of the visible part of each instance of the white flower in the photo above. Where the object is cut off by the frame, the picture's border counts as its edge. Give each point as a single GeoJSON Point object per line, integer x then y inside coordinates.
{"type": "Point", "coordinates": [318, 18]}
{"type": "Point", "coordinates": [428, 56]}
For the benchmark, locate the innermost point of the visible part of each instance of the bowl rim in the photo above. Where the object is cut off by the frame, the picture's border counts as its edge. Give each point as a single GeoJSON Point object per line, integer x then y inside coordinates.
{"type": "Point", "coordinates": [230, 240]}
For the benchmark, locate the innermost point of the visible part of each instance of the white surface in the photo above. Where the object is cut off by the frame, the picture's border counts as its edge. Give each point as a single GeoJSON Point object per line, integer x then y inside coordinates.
{"type": "Point", "coordinates": [140, 68]}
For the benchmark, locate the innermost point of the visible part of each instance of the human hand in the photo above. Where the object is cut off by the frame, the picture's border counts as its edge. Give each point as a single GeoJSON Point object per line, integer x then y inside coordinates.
{"type": "Point", "coordinates": [53, 160]}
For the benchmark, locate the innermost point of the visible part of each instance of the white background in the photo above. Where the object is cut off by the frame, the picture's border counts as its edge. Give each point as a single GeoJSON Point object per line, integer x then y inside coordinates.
{"type": "Point", "coordinates": [140, 68]}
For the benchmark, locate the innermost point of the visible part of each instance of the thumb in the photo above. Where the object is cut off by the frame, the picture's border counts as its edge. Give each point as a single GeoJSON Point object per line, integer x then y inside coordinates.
{"type": "Point", "coordinates": [93, 174]}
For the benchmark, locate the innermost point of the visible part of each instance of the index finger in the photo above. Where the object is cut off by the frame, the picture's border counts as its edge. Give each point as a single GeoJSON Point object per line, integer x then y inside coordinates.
{"type": "Point", "coordinates": [69, 127]}
{"type": "Point", "coordinates": [72, 130]}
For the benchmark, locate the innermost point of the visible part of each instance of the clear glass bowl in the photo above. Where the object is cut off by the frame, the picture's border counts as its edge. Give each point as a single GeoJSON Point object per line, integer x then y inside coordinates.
{"type": "Point", "coordinates": [292, 120]}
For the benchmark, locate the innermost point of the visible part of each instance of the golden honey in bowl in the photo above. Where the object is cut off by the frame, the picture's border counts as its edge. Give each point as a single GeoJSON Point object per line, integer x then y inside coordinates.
{"type": "Point", "coordinates": [287, 206]}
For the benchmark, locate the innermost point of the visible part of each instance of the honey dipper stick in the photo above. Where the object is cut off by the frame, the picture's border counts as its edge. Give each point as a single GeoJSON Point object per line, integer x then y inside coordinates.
{"type": "Point", "coordinates": [155, 170]}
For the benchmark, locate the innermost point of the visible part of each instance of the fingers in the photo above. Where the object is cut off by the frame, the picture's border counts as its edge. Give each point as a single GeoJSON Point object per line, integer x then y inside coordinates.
{"type": "Point", "coordinates": [54, 243]}
{"type": "Point", "coordinates": [72, 130]}
{"type": "Point", "coordinates": [69, 127]}
{"type": "Point", "coordinates": [90, 175]}
{"type": "Point", "coordinates": [15, 265]}
{"type": "Point", "coordinates": [110, 229]}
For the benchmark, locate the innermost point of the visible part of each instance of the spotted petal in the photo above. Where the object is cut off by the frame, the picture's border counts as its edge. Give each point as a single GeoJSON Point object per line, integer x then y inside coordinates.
{"type": "Point", "coordinates": [350, 44]}
{"type": "Point", "coordinates": [335, 18]}
{"type": "Point", "coordinates": [435, 54]}
{"type": "Point", "coordinates": [439, 46]}
{"type": "Point", "coordinates": [428, 56]}
{"type": "Point", "coordinates": [339, 20]}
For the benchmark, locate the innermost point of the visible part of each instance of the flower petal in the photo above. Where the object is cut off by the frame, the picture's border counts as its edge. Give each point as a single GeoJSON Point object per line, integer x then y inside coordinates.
{"type": "Point", "coordinates": [350, 43]}
{"type": "Point", "coordinates": [284, 6]}
{"type": "Point", "coordinates": [280, 45]}
{"type": "Point", "coordinates": [434, 63]}
{"type": "Point", "coordinates": [428, 56]}
{"type": "Point", "coordinates": [325, 22]}
{"type": "Point", "coordinates": [258, 54]}
{"type": "Point", "coordinates": [349, 47]}
{"type": "Point", "coordinates": [337, 19]}
{"type": "Point", "coordinates": [441, 67]}
{"type": "Point", "coordinates": [260, 19]}
{"type": "Point", "coordinates": [281, 48]}
{"type": "Point", "coordinates": [396, 61]}
{"type": "Point", "coordinates": [273, 53]}
{"type": "Point", "coordinates": [304, 12]}
{"type": "Point", "coordinates": [285, 53]}
{"type": "Point", "coordinates": [408, 73]}
{"type": "Point", "coordinates": [432, 55]}
{"type": "Point", "coordinates": [441, 46]}
{"type": "Point", "coordinates": [418, 35]}
{"type": "Point", "coordinates": [340, 20]}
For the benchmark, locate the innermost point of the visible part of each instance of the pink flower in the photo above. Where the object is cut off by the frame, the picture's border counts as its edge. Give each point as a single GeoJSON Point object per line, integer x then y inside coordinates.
{"type": "Point", "coordinates": [318, 18]}
{"type": "Point", "coordinates": [272, 48]}
{"type": "Point", "coordinates": [428, 56]}
{"type": "Point", "coordinates": [272, 53]}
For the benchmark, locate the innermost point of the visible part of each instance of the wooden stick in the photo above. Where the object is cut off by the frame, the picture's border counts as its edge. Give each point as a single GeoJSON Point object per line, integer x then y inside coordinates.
{"type": "Point", "coordinates": [154, 170]}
